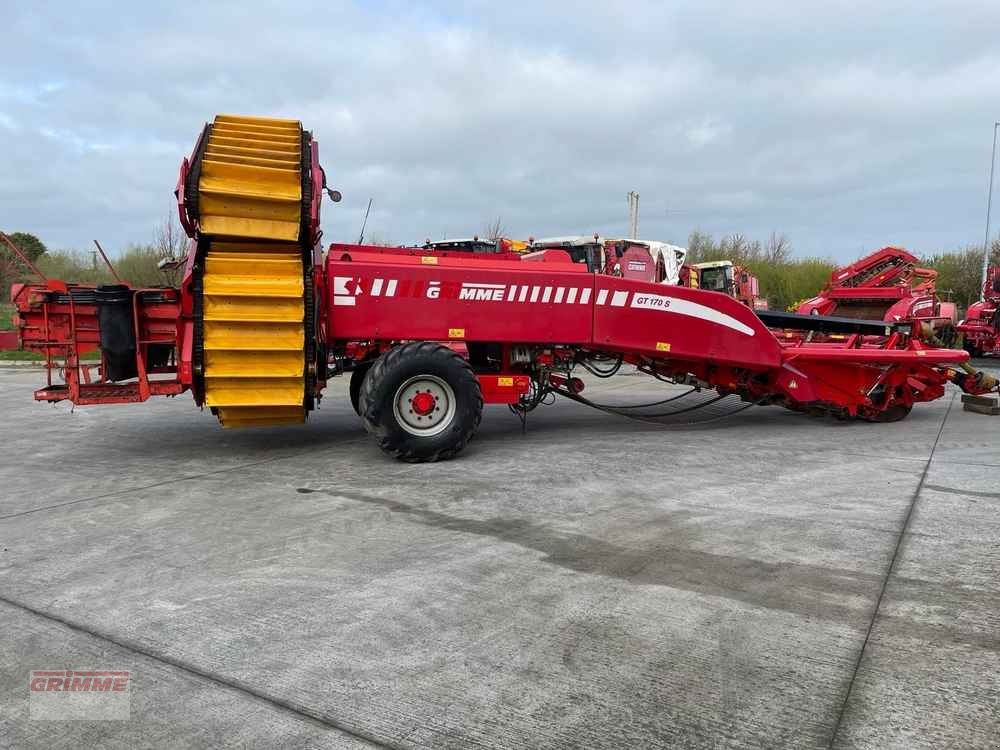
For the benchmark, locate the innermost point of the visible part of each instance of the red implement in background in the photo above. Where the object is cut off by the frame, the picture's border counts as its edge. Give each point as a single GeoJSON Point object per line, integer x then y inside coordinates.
{"type": "Point", "coordinates": [980, 328]}
{"type": "Point", "coordinates": [886, 285]}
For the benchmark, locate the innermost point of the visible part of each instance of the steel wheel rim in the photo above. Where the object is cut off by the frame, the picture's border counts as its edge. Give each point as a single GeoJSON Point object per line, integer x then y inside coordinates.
{"type": "Point", "coordinates": [438, 419]}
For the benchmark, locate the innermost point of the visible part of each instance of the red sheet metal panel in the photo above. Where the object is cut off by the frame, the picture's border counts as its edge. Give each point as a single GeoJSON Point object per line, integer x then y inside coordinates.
{"type": "Point", "coordinates": [504, 388]}
{"type": "Point", "coordinates": [427, 297]}
{"type": "Point", "coordinates": [391, 296]}
{"type": "Point", "coordinates": [680, 323]}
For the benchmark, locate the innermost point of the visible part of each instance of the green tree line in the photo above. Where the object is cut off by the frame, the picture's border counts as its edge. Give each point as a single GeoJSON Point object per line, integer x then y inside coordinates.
{"type": "Point", "coordinates": [784, 279]}
{"type": "Point", "coordinates": [137, 264]}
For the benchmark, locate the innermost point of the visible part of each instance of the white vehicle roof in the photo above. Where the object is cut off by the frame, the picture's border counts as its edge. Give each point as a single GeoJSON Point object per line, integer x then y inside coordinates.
{"type": "Point", "coordinates": [574, 240]}
{"type": "Point", "coordinates": [460, 241]}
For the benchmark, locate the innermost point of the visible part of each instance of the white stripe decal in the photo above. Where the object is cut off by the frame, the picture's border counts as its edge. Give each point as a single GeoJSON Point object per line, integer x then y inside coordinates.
{"type": "Point", "coordinates": [618, 300]}
{"type": "Point", "coordinates": [376, 287]}
{"type": "Point", "coordinates": [547, 294]}
{"type": "Point", "coordinates": [390, 290]}
{"type": "Point", "coordinates": [559, 294]}
{"type": "Point", "coordinates": [585, 295]}
{"type": "Point", "coordinates": [602, 296]}
{"type": "Point", "coordinates": [511, 292]}
{"type": "Point", "coordinates": [571, 297]}
{"type": "Point", "coordinates": [679, 306]}
{"type": "Point", "coordinates": [343, 301]}
{"type": "Point", "coordinates": [524, 294]}
{"type": "Point", "coordinates": [534, 293]}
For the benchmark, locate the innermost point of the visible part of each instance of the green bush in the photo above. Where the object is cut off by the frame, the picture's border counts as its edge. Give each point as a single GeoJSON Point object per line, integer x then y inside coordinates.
{"type": "Point", "coordinates": [73, 265]}
{"type": "Point", "coordinates": [783, 280]}
{"type": "Point", "coordinates": [960, 272]}
{"type": "Point", "coordinates": [792, 281]}
{"type": "Point", "coordinates": [137, 265]}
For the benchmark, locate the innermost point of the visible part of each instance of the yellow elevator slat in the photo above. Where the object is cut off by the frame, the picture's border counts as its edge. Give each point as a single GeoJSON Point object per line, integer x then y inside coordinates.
{"type": "Point", "coordinates": [250, 207]}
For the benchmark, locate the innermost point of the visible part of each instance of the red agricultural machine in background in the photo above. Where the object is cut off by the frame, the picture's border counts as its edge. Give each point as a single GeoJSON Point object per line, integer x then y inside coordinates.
{"type": "Point", "coordinates": [723, 276]}
{"type": "Point", "coordinates": [658, 262]}
{"type": "Point", "coordinates": [887, 285]}
{"type": "Point", "coordinates": [639, 260]}
{"type": "Point", "coordinates": [980, 328]}
{"type": "Point", "coordinates": [262, 312]}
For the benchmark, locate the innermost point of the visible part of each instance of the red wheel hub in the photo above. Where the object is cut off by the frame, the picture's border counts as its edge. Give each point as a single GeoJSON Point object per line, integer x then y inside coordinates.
{"type": "Point", "coordinates": [423, 404]}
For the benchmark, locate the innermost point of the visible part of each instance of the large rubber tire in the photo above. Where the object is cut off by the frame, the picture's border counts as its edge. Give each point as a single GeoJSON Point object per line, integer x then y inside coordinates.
{"type": "Point", "coordinates": [383, 406]}
{"type": "Point", "coordinates": [357, 378]}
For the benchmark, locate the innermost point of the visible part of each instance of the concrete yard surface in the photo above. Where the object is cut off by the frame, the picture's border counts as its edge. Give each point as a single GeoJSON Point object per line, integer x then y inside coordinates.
{"type": "Point", "coordinates": [769, 580]}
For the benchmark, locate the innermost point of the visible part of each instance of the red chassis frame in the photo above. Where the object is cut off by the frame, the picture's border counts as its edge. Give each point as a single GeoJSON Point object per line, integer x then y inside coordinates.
{"type": "Point", "coordinates": [542, 310]}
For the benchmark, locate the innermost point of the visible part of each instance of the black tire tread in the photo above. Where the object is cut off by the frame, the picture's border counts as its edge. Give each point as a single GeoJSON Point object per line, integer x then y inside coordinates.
{"type": "Point", "coordinates": [357, 381]}
{"type": "Point", "coordinates": [894, 413]}
{"type": "Point", "coordinates": [371, 409]}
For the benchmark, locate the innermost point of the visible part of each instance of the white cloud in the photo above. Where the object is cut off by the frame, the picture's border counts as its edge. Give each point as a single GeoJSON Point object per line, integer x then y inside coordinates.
{"type": "Point", "coordinates": [705, 131]}
{"type": "Point", "coordinates": [841, 124]}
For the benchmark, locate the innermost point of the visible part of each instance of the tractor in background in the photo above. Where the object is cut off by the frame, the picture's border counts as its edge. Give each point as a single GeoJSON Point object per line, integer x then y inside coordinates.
{"type": "Point", "coordinates": [722, 276]}
{"type": "Point", "coordinates": [980, 328]}
{"type": "Point", "coordinates": [585, 250]}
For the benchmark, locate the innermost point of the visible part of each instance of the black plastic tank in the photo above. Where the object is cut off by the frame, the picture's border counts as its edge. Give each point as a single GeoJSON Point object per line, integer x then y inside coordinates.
{"type": "Point", "coordinates": [115, 318]}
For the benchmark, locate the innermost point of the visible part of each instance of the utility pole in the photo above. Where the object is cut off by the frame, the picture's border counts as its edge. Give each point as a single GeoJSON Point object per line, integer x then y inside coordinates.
{"type": "Point", "coordinates": [989, 205]}
{"type": "Point", "coordinates": [633, 215]}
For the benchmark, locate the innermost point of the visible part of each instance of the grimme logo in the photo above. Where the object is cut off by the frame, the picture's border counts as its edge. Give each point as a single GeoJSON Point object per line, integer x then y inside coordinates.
{"type": "Point", "coordinates": [67, 694]}
{"type": "Point", "coordinates": [68, 680]}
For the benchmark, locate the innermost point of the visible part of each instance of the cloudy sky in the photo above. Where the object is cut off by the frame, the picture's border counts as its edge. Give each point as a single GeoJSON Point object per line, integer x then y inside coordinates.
{"type": "Point", "coordinates": [847, 126]}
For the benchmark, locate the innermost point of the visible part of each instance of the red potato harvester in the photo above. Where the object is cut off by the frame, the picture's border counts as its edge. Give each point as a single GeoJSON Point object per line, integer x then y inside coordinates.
{"type": "Point", "coordinates": [886, 285]}
{"type": "Point", "coordinates": [262, 319]}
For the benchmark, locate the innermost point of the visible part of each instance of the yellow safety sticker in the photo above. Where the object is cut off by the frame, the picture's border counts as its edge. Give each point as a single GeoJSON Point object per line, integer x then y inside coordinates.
{"type": "Point", "coordinates": [429, 260]}
{"type": "Point", "coordinates": [509, 382]}
{"type": "Point", "coordinates": [662, 346]}
{"type": "Point", "coordinates": [921, 353]}
{"type": "Point", "coordinates": [456, 333]}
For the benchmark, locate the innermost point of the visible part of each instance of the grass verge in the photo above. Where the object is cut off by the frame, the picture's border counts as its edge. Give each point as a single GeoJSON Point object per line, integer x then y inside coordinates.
{"type": "Point", "coordinates": [16, 355]}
